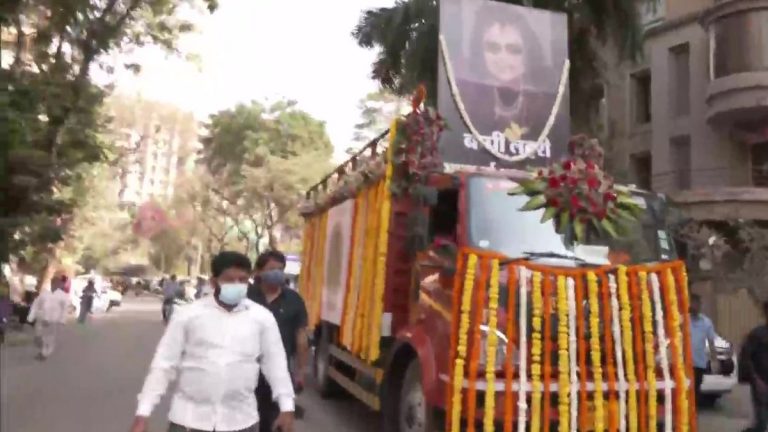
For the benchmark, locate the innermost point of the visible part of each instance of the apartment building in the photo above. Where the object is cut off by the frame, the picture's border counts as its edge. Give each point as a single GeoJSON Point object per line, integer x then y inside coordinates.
{"type": "Point", "coordinates": [691, 118]}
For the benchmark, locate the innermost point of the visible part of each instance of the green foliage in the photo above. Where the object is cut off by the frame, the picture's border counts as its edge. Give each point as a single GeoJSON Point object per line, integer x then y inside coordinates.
{"type": "Point", "coordinates": [406, 38]}
{"type": "Point", "coordinates": [377, 110]}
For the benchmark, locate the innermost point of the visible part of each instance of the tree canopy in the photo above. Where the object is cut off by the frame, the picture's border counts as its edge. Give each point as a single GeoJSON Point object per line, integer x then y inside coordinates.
{"type": "Point", "coordinates": [406, 39]}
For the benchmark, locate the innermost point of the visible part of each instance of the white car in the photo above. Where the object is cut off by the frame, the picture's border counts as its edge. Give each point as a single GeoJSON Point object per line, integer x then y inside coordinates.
{"type": "Point", "coordinates": [106, 297]}
{"type": "Point", "coordinates": [715, 386]}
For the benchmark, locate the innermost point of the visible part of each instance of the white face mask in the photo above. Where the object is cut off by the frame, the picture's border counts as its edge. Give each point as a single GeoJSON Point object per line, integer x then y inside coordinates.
{"type": "Point", "coordinates": [232, 293]}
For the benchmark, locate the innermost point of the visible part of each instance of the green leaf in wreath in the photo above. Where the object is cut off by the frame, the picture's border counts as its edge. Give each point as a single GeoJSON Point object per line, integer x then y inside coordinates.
{"type": "Point", "coordinates": [518, 190]}
{"type": "Point", "coordinates": [549, 213]}
{"type": "Point", "coordinates": [565, 219]}
{"type": "Point", "coordinates": [535, 203]}
{"type": "Point", "coordinates": [579, 228]}
{"type": "Point", "coordinates": [607, 225]}
{"type": "Point", "coordinates": [626, 214]}
{"type": "Point", "coordinates": [532, 186]}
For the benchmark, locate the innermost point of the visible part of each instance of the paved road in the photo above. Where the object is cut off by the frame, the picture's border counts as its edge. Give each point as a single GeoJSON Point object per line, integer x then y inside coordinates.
{"type": "Point", "coordinates": [90, 383]}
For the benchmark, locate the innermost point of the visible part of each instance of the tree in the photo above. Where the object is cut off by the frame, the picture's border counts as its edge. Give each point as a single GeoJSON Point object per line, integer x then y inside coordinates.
{"type": "Point", "coordinates": [54, 124]}
{"type": "Point", "coordinates": [377, 110]}
{"type": "Point", "coordinates": [406, 37]}
{"type": "Point", "coordinates": [263, 159]}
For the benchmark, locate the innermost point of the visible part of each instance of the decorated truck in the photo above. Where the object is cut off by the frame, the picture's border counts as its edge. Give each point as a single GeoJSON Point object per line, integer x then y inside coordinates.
{"type": "Point", "coordinates": [507, 285]}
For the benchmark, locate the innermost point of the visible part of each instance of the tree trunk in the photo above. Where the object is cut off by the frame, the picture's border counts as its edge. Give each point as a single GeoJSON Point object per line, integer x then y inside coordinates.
{"type": "Point", "coordinates": [47, 272]}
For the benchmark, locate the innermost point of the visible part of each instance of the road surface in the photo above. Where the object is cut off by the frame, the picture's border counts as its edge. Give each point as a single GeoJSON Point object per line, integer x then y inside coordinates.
{"type": "Point", "coordinates": [90, 383]}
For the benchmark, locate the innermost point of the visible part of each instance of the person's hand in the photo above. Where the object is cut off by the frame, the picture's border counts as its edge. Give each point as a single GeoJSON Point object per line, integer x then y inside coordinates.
{"type": "Point", "coordinates": [284, 423]}
{"type": "Point", "coordinates": [139, 424]}
{"type": "Point", "coordinates": [715, 366]}
{"type": "Point", "coordinates": [298, 383]}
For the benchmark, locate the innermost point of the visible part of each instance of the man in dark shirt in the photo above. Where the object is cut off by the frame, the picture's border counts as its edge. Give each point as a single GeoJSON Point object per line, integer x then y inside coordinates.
{"type": "Point", "coordinates": [754, 369]}
{"type": "Point", "coordinates": [269, 290]}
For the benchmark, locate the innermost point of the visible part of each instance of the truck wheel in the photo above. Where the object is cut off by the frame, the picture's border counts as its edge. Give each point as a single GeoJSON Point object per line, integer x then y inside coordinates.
{"type": "Point", "coordinates": [326, 386]}
{"type": "Point", "coordinates": [415, 415]}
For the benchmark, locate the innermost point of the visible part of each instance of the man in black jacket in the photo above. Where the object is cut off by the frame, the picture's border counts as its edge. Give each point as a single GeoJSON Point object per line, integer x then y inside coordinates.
{"type": "Point", "coordinates": [754, 370]}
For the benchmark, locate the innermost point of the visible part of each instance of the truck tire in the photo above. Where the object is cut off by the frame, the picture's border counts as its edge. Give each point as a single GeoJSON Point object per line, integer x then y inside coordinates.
{"type": "Point", "coordinates": [414, 413]}
{"type": "Point", "coordinates": [326, 386]}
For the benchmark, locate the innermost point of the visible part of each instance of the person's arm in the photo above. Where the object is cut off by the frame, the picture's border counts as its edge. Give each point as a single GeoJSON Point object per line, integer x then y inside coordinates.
{"type": "Point", "coordinates": [302, 346]}
{"type": "Point", "coordinates": [162, 370]}
{"type": "Point", "coordinates": [274, 364]}
{"type": "Point", "coordinates": [711, 336]}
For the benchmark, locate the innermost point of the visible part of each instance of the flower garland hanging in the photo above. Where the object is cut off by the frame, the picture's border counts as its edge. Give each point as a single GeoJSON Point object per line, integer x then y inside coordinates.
{"type": "Point", "coordinates": [627, 338]}
{"type": "Point", "coordinates": [461, 346]}
{"type": "Point", "coordinates": [676, 327]}
{"type": "Point", "coordinates": [579, 196]}
{"type": "Point", "coordinates": [563, 355]}
{"type": "Point", "coordinates": [536, 351]}
{"type": "Point", "coordinates": [639, 353]}
{"type": "Point", "coordinates": [509, 367]}
{"type": "Point", "coordinates": [474, 357]}
{"type": "Point", "coordinates": [493, 340]}
{"type": "Point", "coordinates": [650, 355]}
{"type": "Point", "coordinates": [595, 351]}
{"type": "Point", "coordinates": [682, 276]}
{"type": "Point", "coordinates": [547, 334]}
{"type": "Point", "coordinates": [573, 354]}
{"type": "Point", "coordinates": [663, 358]}
{"type": "Point", "coordinates": [616, 328]}
{"type": "Point", "coordinates": [608, 350]}
{"type": "Point", "coordinates": [522, 404]}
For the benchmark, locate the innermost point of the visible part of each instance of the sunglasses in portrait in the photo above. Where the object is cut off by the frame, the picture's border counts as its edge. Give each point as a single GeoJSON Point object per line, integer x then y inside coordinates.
{"type": "Point", "coordinates": [510, 48]}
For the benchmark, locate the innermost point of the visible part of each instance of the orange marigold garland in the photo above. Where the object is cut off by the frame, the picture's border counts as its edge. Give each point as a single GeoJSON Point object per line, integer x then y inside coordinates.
{"type": "Point", "coordinates": [639, 353]}
{"type": "Point", "coordinates": [509, 365]}
{"type": "Point", "coordinates": [582, 351]}
{"type": "Point", "coordinates": [627, 338]}
{"type": "Point", "coordinates": [547, 347]}
{"type": "Point", "coordinates": [536, 351]}
{"type": "Point", "coordinates": [476, 343]}
{"type": "Point", "coordinates": [648, 339]}
{"type": "Point", "coordinates": [461, 346]}
{"type": "Point", "coordinates": [595, 351]}
{"type": "Point", "coordinates": [455, 327]}
{"type": "Point", "coordinates": [682, 290]}
{"type": "Point", "coordinates": [675, 329]}
{"type": "Point", "coordinates": [613, 421]}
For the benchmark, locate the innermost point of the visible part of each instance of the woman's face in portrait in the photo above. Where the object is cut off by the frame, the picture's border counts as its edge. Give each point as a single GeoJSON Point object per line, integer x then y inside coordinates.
{"type": "Point", "coordinates": [503, 52]}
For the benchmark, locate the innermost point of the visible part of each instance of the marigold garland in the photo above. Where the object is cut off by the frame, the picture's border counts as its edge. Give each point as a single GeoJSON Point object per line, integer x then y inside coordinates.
{"type": "Point", "coordinates": [363, 309]}
{"type": "Point", "coordinates": [382, 246]}
{"type": "Point", "coordinates": [676, 331]}
{"type": "Point", "coordinates": [684, 305]}
{"type": "Point", "coordinates": [613, 422]}
{"type": "Point", "coordinates": [522, 401]}
{"type": "Point", "coordinates": [319, 281]}
{"type": "Point", "coordinates": [456, 322]}
{"type": "Point", "coordinates": [461, 346]}
{"type": "Point", "coordinates": [474, 358]}
{"type": "Point", "coordinates": [536, 352]}
{"type": "Point", "coordinates": [490, 370]}
{"type": "Point", "coordinates": [509, 368]}
{"type": "Point", "coordinates": [581, 337]}
{"type": "Point", "coordinates": [563, 366]}
{"type": "Point", "coordinates": [355, 241]}
{"type": "Point", "coordinates": [573, 354]}
{"type": "Point", "coordinates": [639, 352]}
{"type": "Point", "coordinates": [629, 356]}
{"type": "Point", "coordinates": [548, 309]}
{"type": "Point", "coordinates": [650, 355]}
{"type": "Point", "coordinates": [594, 342]}
{"type": "Point", "coordinates": [616, 328]}
{"type": "Point", "coordinates": [664, 359]}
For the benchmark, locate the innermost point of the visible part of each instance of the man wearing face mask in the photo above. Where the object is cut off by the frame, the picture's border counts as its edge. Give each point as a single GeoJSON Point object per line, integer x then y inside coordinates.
{"type": "Point", "coordinates": [216, 349]}
{"type": "Point", "coordinates": [269, 290]}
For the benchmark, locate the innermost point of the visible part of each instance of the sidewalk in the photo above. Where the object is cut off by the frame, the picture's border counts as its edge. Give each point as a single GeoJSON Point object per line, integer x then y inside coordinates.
{"type": "Point", "coordinates": [733, 413]}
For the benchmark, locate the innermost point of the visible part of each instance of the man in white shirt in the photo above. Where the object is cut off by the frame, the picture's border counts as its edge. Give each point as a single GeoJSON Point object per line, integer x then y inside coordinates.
{"type": "Point", "coordinates": [48, 311]}
{"type": "Point", "coordinates": [215, 349]}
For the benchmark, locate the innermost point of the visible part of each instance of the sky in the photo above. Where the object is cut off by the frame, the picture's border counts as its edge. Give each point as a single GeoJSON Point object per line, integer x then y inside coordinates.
{"type": "Point", "coordinates": [266, 50]}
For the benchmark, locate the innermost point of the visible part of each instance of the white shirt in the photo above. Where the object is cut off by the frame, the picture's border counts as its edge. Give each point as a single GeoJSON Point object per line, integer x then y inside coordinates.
{"type": "Point", "coordinates": [216, 356]}
{"type": "Point", "coordinates": [50, 306]}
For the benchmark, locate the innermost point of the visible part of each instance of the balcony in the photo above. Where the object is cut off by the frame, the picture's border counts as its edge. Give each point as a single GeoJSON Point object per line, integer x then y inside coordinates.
{"type": "Point", "coordinates": [749, 203]}
{"type": "Point", "coordinates": [738, 63]}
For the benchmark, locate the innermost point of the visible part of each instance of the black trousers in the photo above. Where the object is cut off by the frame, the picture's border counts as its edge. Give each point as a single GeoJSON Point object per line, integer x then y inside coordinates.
{"type": "Point", "coordinates": [698, 378]}
{"type": "Point", "coordinates": [173, 427]}
{"type": "Point", "coordinates": [269, 410]}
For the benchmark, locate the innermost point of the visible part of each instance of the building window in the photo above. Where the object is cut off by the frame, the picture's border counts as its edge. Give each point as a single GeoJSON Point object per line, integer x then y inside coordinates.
{"type": "Point", "coordinates": [641, 97]}
{"type": "Point", "coordinates": [680, 158]}
{"type": "Point", "coordinates": [640, 165]}
{"type": "Point", "coordinates": [759, 162]}
{"type": "Point", "coordinates": [680, 80]}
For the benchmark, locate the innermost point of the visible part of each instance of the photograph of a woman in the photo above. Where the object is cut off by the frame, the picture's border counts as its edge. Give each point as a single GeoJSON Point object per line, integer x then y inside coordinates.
{"type": "Point", "coordinates": [506, 75]}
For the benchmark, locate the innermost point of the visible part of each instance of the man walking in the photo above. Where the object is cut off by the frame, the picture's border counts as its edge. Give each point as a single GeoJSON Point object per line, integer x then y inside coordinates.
{"type": "Point", "coordinates": [215, 348]}
{"type": "Point", "coordinates": [86, 300]}
{"type": "Point", "coordinates": [754, 370]}
{"type": "Point", "coordinates": [170, 292]}
{"type": "Point", "coordinates": [48, 311]}
{"type": "Point", "coordinates": [702, 344]}
{"type": "Point", "coordinates": [287, 306]}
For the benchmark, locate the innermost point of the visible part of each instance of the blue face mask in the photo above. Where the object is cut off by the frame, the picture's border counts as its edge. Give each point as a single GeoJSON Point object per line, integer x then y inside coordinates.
{"type": "Point", "coordinates": [272, 277]}
{"type": "Point", "coordinates": [232, 293]}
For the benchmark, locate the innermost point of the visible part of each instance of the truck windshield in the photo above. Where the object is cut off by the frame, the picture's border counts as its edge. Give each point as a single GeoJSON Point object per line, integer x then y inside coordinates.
{"type": "Point", "coordinates": [497, 223]}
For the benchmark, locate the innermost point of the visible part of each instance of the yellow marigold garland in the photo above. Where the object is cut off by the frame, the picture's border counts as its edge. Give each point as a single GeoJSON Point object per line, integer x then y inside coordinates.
{"type": "Point", "coordinates": [536, 352]}
{"type": "Point", "coordinates": [676, 326]}
{"type": "Point", "coordinates": [318, 278]}
{"type": "Point", "coordinates": [363, 307]}
{"type": "Point", "coordinates": [490, 370]}
{"type": "Point", "coordinates": [629, 357]}
{"type": "Point", "coordinates": [563, 356]}
{"type": "Point", "coordinates": [650, 355]}
{"type": "Point", "coordinates": [382, 246]}
{"type": "Point", "coordinates": [594, 343]}
{"type": "Point", "coordinates": [663, 358]}
{"type": "Point", "coordinates": [461, 347]}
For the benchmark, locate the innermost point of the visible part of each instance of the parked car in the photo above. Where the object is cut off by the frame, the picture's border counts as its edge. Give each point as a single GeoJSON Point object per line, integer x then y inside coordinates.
{"type": "Point", "coordinates": [714, 386]}
{"type": "Point", "coordinates": [106, 299]}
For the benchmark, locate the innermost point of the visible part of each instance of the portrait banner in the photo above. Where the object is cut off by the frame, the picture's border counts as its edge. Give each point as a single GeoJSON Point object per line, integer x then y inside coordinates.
{"type": "Point", "coordinates": [506, 62]}
{"type": "Point", "coordinates": [337, 249]}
